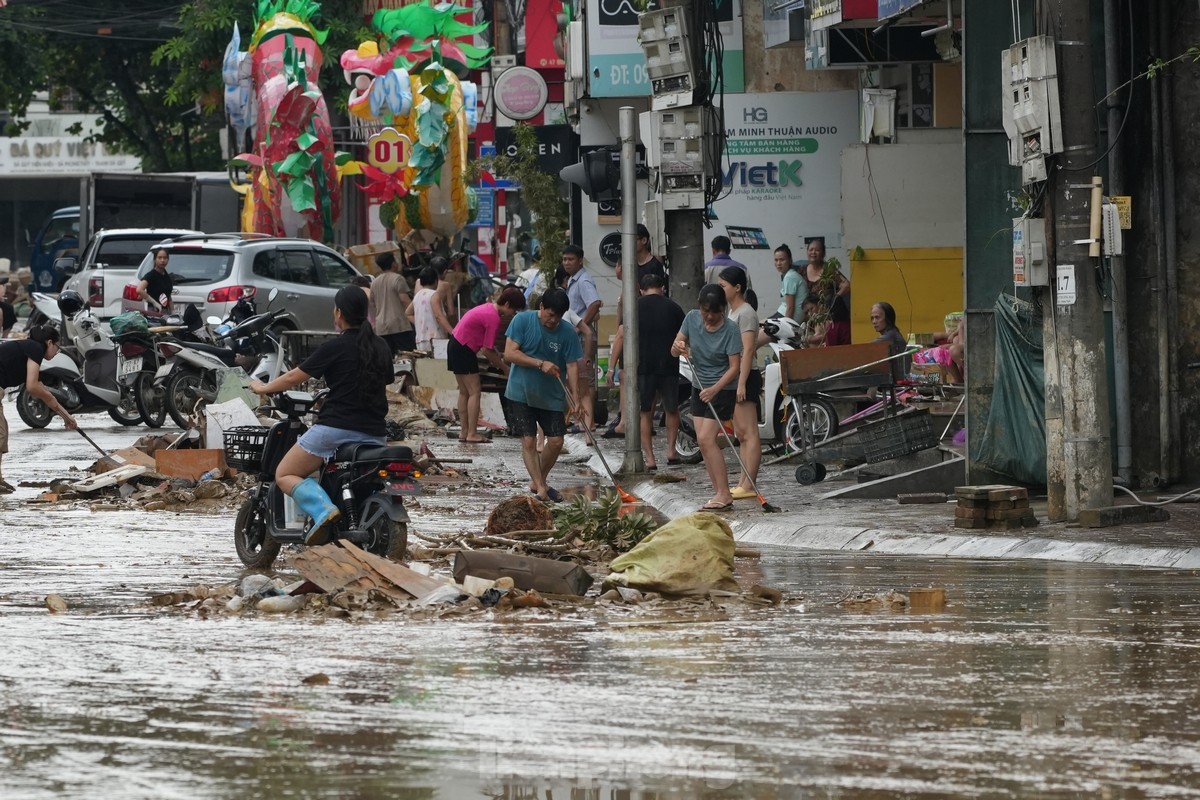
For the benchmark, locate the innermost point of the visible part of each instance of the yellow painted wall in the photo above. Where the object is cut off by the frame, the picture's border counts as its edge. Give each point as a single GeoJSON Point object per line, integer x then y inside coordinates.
{"type": "Point", "coordinates": [934, 276]}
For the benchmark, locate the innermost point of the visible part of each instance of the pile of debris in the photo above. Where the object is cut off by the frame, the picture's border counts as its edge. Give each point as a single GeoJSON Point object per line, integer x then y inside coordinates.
{"type": "Point", "coordinates": [684, 566]}
{"type": "Point", "coordinates": [156, 473]}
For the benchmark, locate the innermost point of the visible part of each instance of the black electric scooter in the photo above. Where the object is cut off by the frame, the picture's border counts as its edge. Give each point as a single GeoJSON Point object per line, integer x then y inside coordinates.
{"type": "Point", "coordinates": [367, 482]}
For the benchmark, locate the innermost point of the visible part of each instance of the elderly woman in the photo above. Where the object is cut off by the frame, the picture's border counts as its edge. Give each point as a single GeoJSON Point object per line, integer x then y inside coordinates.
{"type": "Point", "coordinates": [883, 320]}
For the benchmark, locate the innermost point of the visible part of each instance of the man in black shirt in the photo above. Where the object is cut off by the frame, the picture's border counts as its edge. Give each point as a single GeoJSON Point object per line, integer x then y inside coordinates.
{"type": "Point", "coordinates": [157, 286]}
{"type": "Point", "coordinates": [21, 363]}
{"type": "Point", "coordinates": [659, 320]}
{"type": "Point", "coordinates": [647, 263]}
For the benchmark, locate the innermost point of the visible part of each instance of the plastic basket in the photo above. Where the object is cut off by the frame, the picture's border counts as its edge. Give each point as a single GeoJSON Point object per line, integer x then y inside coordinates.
{"type": "Point", "coordinates": [244, 447]}
{"type": "Point", "coordinates": [897, 436]}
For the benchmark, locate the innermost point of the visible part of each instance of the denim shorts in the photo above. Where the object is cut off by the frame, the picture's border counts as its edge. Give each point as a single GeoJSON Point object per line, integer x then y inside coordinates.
{"type": "Point", "coordinates": [323, 441]}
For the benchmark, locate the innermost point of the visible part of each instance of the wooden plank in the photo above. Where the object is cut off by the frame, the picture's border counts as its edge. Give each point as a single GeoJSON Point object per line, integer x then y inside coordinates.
{"type": "Point", "coordinates": [811, 364]}
{"type": "Point", "coordinates": [411, 581]}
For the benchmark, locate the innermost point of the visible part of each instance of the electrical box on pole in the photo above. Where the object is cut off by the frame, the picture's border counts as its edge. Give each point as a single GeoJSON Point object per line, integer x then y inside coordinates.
{"type": "Point", "coordinates": [678, 149]}
{"type": "Point", "coordinates": [1031, 110]}
{"type": "Point", "coordinates": [1029, 252]}
{"type": "Point", "coordinates": [667, 45]}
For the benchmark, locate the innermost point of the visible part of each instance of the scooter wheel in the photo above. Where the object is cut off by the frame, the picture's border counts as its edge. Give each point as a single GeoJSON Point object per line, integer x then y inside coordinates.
{"type": "Point", "coordinates": [254, 545]}
{"type": "Point", "coordinates": [806, 474]}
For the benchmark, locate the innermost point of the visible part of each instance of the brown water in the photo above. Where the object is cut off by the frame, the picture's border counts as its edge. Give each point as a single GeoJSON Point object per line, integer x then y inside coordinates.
{"type": "Point", "coordinates": [1038, 680]}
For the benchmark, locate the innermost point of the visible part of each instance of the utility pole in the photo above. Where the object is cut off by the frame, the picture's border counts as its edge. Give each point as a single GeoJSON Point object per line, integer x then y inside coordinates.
{"type": "Point", "coordinates": [1078, 451]}
{"type": "Point", "coordinates": [685, 234]}
{"type": "Point", "coordinates": [634, 462]}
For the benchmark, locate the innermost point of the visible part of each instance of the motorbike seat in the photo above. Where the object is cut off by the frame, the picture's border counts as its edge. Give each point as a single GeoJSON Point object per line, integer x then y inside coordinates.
{"type": "Point", "coordinates": [224, 353]}
{"type": "Point", "coordinates": [364, 451]}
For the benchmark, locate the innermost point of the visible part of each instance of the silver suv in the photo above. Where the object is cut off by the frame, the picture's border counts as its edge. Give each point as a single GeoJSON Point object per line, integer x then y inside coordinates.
{"type": "Point", "coordinates": [213, 272]}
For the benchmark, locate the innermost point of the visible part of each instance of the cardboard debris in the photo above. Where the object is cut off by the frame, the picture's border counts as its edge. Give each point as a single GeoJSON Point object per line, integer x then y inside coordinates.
{"type": "Point", "coordinates": [127, 455]}
{"type": "Point", "coordinates": [343, 566]}
{"type": "Point", "coordinates": [190, 464]}
{"type": "Point", "coordinates": [411, 581]}
{"type": "Point", "coordinates": [220, 417]}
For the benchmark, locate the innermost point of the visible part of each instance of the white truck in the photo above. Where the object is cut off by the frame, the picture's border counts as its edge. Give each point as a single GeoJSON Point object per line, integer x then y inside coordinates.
{"type": "Point", "coordinates": [183, 200]}
{"type": "Point", "coordinates": [125, 214]}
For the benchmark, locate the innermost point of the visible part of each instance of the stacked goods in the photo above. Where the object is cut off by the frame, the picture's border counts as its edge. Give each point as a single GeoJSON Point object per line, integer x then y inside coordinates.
{"type": "Point", "coordinates": [993, 506]}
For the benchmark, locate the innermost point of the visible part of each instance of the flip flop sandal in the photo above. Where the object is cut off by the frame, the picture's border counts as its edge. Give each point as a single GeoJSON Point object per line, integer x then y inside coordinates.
{"type": "Point", "coordinates": [744, 494]}
{"type": "Point", "coordinates": [717, 507]}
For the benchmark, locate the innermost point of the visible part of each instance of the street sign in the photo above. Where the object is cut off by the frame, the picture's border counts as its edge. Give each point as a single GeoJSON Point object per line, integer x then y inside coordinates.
{"type": "Point", "coordinates": [388, 150]}
{"type": "Point", "coordinates": [1065, 283]}
{"type": "Point", "coordinates": [610, 249]}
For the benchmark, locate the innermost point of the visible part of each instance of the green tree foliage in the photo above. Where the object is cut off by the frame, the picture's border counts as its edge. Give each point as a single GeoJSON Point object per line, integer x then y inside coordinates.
{"type": "Point", "coordinates": [540, 191]}
{"type": "Point", "coordinates": [151, 70]}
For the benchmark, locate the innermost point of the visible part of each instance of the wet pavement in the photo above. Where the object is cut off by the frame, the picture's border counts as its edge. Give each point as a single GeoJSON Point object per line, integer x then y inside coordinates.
{"type": "Point", "coordinates": [811, 521]}
{"type": "Point", "coordinates": [1039, 679]}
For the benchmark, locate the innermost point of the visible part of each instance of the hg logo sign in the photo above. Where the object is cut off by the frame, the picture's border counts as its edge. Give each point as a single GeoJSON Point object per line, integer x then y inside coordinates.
{"type": "Point", "coordinates": [754, 115]}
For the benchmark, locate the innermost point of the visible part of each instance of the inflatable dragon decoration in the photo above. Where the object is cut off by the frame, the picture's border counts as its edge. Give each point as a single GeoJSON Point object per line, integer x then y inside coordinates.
{"type": "Point", "coordinates": [275, 106]}
{"type": "Point", "coordinates": [412, 81]}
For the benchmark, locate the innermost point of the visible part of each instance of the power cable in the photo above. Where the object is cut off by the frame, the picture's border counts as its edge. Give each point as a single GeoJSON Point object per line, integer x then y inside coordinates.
{"type": "Point", "coordinates": [883, 219]}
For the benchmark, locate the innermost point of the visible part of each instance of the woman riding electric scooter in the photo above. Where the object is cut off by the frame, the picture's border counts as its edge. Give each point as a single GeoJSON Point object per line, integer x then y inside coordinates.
{"type": "Point", "coordinates": [357, 367]}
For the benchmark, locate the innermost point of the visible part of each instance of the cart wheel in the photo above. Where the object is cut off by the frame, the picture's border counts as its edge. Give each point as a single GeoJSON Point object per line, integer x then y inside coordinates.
{"type": "Point", "coordinates": [821, 472]}
{"type": "Point", "coordinates": [806, 474]}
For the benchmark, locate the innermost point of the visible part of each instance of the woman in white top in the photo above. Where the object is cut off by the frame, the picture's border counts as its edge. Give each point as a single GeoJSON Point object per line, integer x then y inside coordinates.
{"type": "Point", "coordinates": [420, 311]}
{"type": "Point", "coordinates": [749, 383]}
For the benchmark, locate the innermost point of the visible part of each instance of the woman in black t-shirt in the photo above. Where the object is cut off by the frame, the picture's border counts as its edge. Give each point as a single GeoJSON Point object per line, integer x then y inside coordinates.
{"type": "Point", "coordinates": [357, 367]}
{"type": "Point", "coordinates": [21, 363]}
{"type": "Point", "coordinates": [156, 288]}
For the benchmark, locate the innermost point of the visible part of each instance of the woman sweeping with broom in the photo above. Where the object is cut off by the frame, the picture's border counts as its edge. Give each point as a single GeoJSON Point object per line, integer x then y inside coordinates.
{"type": "Point", "coordinates": [710, 341]}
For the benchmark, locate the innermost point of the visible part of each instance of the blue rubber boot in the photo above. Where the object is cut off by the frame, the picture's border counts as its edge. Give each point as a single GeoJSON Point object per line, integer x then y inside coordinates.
{"type": "Point", "coordinates": [313, 501]}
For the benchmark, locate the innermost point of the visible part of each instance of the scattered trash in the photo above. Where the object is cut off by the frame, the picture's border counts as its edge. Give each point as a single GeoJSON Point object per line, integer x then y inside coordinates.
{"type": "Point", "coordinates": [282, 604]}
{"type": "Point", "coordinates": [930, 599]}
{"type": "Point", "coordinates": [774, 596]}
{"type": "Point", "coordinates": [883, 601]}
{"type": "Point", "coordinates": [56, 604]}
{"type": "Point", "coordinates": [316, 679]}
{"type": "Point", "coordinates": [520, 513]}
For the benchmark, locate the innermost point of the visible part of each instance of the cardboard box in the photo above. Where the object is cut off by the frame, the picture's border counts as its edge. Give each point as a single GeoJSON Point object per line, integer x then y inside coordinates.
{"type": "Point", "coordinates": [190, 464]}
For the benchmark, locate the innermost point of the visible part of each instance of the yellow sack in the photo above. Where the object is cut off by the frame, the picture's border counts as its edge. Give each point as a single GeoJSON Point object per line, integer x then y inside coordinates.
{"type": "Point", "coordinates": [689, 555]}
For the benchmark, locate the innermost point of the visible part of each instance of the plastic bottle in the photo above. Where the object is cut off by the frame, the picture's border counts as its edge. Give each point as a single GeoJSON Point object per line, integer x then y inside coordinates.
{"type": "Point", "coordinates": [215, 472]}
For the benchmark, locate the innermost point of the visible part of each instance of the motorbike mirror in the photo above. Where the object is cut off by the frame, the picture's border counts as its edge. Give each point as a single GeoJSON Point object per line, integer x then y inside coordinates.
{"type": "Point", "coordinates": [272, 295]}
{"type": "Point", "coordinates": [213, 320]}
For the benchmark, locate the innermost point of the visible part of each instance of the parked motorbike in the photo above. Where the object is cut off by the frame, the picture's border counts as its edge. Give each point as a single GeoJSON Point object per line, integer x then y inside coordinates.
{"type": "Point", "coordinates": [367, 482]}
{"type": "Point", "coordinates": [97, 374]}
{"type": "Point", "coordinates": [193, 369]}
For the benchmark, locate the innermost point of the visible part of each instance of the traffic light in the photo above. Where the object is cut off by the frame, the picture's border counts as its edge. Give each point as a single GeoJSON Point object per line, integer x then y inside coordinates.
{"type": "Point", "coordinates": [598, 174]}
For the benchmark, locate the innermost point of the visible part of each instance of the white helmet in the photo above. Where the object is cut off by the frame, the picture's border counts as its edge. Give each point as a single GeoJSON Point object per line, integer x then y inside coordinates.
{"type": "Point", "coordinates": [781, 329]}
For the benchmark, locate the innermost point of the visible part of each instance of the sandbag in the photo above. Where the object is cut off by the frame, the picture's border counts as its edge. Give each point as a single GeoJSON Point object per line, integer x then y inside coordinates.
{"type": "Point", "coordinates": [688, 555]}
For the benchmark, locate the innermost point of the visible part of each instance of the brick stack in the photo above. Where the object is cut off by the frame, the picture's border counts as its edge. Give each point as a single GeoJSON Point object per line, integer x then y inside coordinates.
{"type": "Point", "coordinates": [993, 506]}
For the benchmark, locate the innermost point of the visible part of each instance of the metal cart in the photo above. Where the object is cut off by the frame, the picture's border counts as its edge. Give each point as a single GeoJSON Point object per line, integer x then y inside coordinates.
{"type": "Point", "coordinates": [808, 373]}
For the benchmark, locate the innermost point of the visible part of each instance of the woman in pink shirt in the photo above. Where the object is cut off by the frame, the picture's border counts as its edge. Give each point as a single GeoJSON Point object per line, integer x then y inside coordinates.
{"type": "Point", "coordinates": [476, 331]}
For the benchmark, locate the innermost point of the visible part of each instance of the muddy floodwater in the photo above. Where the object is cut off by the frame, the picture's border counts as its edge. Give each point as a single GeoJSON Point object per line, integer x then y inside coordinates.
{"type": "Point", "coordinates": [1037, 680]}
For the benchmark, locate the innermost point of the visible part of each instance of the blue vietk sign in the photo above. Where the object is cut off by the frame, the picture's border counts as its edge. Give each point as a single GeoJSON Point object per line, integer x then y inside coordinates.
{"type": "Point", "coordinates": [894, 8]}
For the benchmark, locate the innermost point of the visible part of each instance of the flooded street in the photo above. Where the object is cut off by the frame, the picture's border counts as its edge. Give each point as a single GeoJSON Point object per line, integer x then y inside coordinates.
{"type": "Point", "coordinates": [1038, 680]}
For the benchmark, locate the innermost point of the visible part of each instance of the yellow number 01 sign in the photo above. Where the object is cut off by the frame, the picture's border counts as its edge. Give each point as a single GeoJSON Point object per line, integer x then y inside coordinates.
{"type": "Point", "coordinates": [388, 150]}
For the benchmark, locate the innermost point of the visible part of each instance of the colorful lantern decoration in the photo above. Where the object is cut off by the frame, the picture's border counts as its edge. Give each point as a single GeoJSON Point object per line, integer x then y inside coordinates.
{"type": "Point", "coordinates": [272, 99]}
{"type": "Point", "coordinates": [415, 86]}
